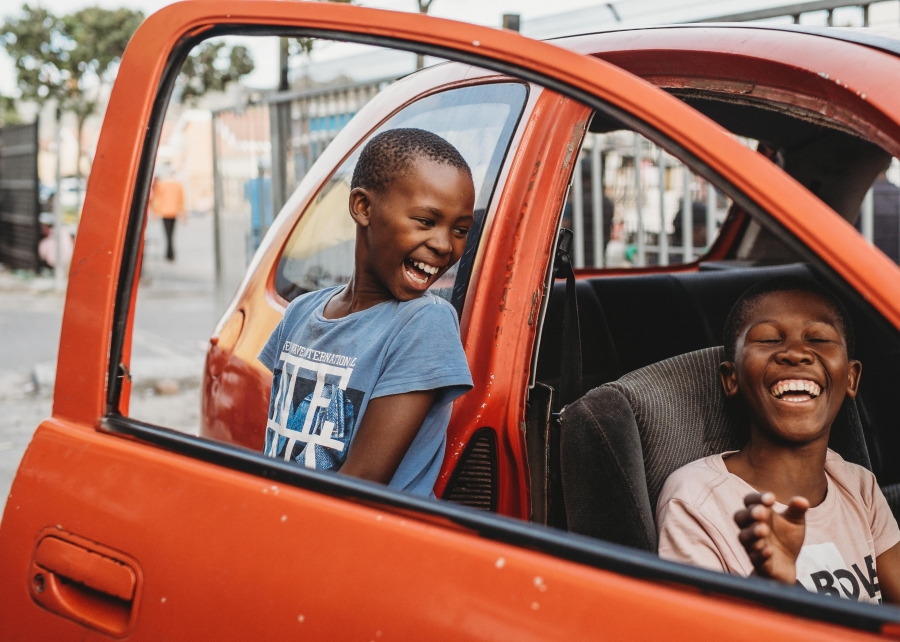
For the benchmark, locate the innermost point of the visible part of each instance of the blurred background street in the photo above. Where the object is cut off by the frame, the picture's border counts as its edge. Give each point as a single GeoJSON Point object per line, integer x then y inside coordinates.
{"type": "Point", "coordinates": [168, 357]}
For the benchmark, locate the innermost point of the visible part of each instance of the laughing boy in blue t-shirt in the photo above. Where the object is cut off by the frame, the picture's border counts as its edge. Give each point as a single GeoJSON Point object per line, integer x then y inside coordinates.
{"type": "Point", "coordinates": [365, 375]}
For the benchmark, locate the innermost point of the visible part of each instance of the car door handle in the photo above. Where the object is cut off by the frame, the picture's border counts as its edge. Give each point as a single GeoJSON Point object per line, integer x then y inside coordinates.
{"type": "Point", "coordinates": [91, 588]}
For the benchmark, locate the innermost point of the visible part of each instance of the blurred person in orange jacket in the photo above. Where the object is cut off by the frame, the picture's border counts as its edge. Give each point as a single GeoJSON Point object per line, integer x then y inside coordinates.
{"type": "Point", "coordinates": [167, 203]}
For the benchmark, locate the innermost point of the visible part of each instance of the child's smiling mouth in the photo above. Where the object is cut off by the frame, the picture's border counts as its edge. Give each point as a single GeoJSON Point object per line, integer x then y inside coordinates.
{"type": "Point", "coordinates": [419, 272]}
{"type": "Point", "coordinates": [795, 390]}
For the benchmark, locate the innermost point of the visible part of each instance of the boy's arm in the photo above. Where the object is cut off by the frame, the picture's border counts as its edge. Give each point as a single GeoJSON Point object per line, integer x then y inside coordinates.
{"type": "Point", "coordinates": [772, 540]}
{"type": "Point", "coordinates": [888, 566]}
{"type": "Point", "coordinates": [385, 434]}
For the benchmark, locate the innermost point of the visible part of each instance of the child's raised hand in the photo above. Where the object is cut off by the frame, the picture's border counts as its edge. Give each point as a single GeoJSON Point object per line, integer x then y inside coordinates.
{"type": "Point", "coordinates": [773, 540]}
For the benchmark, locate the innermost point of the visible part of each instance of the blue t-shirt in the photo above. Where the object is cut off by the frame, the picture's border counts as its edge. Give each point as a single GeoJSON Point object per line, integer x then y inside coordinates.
{"type": "Point", "coordinates": [334, 367]}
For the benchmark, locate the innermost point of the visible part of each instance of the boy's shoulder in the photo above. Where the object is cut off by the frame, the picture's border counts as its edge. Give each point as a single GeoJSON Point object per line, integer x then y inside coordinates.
{"type": "Point", "coordinates": [428, 307]}
{"type": "Point", "coordinates": [855, 479]}
{"type": "Point", "coordinates": [428, 300]}
{"type": "Point", "coordinates": [693, 483]}
{"type": "Point", "coordinates": [308, 301]}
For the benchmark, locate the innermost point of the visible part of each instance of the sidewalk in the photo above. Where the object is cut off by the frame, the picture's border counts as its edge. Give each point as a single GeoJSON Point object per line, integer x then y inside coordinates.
{"type": "Point", "coordinates": [173, 322]}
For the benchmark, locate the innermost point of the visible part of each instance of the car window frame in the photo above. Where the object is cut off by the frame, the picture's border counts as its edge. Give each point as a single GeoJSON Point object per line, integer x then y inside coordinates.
{"type": "Point", "coordinates": [566, 546]}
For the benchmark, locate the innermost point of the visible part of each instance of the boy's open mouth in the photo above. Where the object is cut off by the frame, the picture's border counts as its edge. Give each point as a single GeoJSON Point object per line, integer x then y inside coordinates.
{"type": "Point", "coordinates": [420, 272]}
{"type": "Point", "coordinates": [795, 390]}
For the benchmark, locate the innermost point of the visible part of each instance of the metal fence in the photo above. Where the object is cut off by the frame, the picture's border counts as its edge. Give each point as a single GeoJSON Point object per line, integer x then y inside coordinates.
{"type": "Point", "coordinates": [19, 206]}
{"type": "Point", "coordinates": [631, 204]}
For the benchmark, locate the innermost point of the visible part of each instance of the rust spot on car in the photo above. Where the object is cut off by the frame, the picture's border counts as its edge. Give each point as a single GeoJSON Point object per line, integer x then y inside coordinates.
{"type": "Point", "coordinates": [574, 139]}
{"type": "Point", "coordinates": [503, 307]}
{"type": "Point", "coordinates": [534, 300]}
{"type": "Point", "coordinates": [534, 172]}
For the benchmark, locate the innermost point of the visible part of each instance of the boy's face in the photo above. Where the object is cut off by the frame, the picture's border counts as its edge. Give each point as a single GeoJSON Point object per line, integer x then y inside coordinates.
{"type": "Point", "coordinates": [791, 366]}
{"type": "Point", "coordinates": [414, 230]}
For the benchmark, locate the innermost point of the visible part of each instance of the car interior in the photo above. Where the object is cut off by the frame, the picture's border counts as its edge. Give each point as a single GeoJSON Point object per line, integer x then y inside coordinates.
{"type": "Point", "coordinates": [650, 344]}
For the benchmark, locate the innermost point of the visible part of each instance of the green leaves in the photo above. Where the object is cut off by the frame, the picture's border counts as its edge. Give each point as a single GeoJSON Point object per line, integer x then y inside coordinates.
{"type": "Point", "coordinates": [210, 67]}
{"type": "Point", "coordinates": [39, 49]}
{"type": "Point", "coordinates": [67, 57]}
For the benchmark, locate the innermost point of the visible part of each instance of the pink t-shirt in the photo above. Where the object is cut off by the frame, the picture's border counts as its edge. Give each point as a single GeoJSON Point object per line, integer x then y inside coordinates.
{"type": "Point", "coordinates": [844, 534]}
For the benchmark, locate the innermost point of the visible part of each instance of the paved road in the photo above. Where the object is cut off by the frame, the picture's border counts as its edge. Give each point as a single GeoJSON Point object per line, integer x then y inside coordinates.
{"type": "Point", "coordinates": [174, 318]}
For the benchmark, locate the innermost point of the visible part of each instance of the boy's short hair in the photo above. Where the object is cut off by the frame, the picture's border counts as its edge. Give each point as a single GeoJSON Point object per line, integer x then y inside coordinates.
{"type": "Point", "coordinates": [390, 154]}
{"type": "Point", "coordinates": [737, 317]}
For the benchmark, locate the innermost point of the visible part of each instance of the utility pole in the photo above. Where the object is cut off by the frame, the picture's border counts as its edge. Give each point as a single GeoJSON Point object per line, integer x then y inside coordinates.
{"type": "Point", "coordinates": [424, 6]}
{"type": "Point", "coordinates": [512, 21]}
{"type": "Point", "coordinates": [58, 267]}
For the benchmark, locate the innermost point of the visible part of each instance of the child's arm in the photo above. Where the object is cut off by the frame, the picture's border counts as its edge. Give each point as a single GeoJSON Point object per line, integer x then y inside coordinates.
{"type": "Point", "coordinates": [385, 434]}
{"type": "Point", "coordinates": [888, 565]}
{"type": "Point", "coordinates": [773, 540]}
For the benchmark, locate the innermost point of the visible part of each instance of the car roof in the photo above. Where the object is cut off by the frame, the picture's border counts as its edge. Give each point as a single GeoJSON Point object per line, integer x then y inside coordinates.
{"type": "Point", "coordinates": [882, 39]}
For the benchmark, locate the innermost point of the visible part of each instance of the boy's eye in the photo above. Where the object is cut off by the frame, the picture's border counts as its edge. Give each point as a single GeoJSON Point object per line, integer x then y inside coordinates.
{"type": "Point", "coordinates": [462, 231]}
{"type": "Point", "coordinates": [426, 221]}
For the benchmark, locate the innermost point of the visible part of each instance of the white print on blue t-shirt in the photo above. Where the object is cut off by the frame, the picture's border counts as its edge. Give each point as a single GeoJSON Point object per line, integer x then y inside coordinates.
{"type": "Point", "coordinates": [313, 428]}
{"type": "Point", "coordinates": [326, 371]}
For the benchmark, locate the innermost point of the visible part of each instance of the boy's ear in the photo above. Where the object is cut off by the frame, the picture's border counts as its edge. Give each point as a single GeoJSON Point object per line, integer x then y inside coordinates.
{"type": "Point", "coordinates": [360, 206]}
{"type": "Point", "coordinates": [855, 372]}
{"type": "Point", "coordinates": [728, 377]}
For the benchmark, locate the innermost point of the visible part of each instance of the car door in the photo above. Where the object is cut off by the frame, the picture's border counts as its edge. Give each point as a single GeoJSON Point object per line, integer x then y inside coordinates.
{"type": "Point", "coordinates": [116, 528]}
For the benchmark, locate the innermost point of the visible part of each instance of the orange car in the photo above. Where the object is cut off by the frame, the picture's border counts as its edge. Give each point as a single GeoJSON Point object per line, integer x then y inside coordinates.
{"type": "Point", "coordinates": [117, 528]}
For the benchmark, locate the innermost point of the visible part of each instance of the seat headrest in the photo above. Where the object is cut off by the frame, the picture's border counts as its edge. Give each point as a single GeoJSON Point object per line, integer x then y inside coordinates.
{"type": "Point", "coordinates": [682, 415]}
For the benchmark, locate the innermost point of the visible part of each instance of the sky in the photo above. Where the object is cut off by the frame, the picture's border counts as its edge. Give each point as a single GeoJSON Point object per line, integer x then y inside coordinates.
{"type": "Point", "coordinates": [485, 12]}
{"type": "Point", "coordinates": [540, 19]}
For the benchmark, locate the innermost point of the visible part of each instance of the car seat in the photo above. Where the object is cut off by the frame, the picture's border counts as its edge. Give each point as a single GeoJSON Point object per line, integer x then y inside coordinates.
{"type": "Point", "coordinates": [620, 442]}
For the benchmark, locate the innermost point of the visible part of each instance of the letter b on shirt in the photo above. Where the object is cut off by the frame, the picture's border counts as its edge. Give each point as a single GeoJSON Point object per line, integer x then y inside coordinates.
{"type": "Point", "coordinates": [824, 582]}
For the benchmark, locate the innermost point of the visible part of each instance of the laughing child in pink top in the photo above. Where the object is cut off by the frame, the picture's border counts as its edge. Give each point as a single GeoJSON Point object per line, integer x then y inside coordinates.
{"type": "Point", "coordinates": [785, 506]}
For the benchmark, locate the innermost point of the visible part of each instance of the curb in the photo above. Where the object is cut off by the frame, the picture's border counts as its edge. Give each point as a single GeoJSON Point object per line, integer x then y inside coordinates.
{"type": "Point", "coordinates": [165, 375]}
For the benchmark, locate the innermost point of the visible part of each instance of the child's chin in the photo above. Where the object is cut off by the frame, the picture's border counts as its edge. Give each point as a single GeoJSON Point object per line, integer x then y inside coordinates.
{"type": "Point", "coordinates": [407, 294]}
{"type": "Point", "coordinates": [798, 432]}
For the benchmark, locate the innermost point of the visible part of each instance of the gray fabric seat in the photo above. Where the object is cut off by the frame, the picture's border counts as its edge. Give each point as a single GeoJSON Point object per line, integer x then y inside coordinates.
{"type": "Point", "coordinates": [621, 441]}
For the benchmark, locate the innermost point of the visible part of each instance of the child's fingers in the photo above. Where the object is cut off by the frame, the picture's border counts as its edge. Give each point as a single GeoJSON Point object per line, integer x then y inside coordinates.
{"type": "Point", "coordinates": [796, 509]}
{"type": "Point", "coordinates": [766, 499]}
{"type": "Point", "coordinates": [754, 533]}
{"type": "Point", "coordinates": [743, 519]}
{"type": "Point", "coordinates": [752, 514]}
{"type": "Point", "coordinates": [760, 557]}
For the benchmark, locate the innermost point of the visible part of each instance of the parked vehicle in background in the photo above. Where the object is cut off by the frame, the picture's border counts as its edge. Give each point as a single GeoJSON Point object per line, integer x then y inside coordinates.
{"type": "Point", "coordinates": [134, 530]}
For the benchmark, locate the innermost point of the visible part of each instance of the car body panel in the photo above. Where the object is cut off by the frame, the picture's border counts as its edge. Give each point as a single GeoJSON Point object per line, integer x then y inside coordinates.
{"type": "Point", "coordinates": [228, 554]}
{"type": "Point", "coordinates": [248, 563]}
{"type": "Point", "coordinates": [843, 81]}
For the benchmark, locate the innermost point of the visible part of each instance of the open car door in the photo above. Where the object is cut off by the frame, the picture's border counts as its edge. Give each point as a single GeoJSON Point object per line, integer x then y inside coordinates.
{"type": "Point", "coordinates": [127, 530]}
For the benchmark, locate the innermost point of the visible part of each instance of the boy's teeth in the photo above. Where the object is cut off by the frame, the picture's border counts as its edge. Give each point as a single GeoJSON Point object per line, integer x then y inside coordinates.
{"type": "Point", "coordinates": [428, 269]}
{"type": "Point", "coordinates": [796, 385]}
{"type": "Point", "coordinates": [415, 277]}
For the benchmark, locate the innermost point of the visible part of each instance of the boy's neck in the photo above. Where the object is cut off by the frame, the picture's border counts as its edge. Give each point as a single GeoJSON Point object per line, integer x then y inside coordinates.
{"type": "Point", "coordinates": [357, 295]}
{"type": "Point", "coordinates": [783, 469]}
